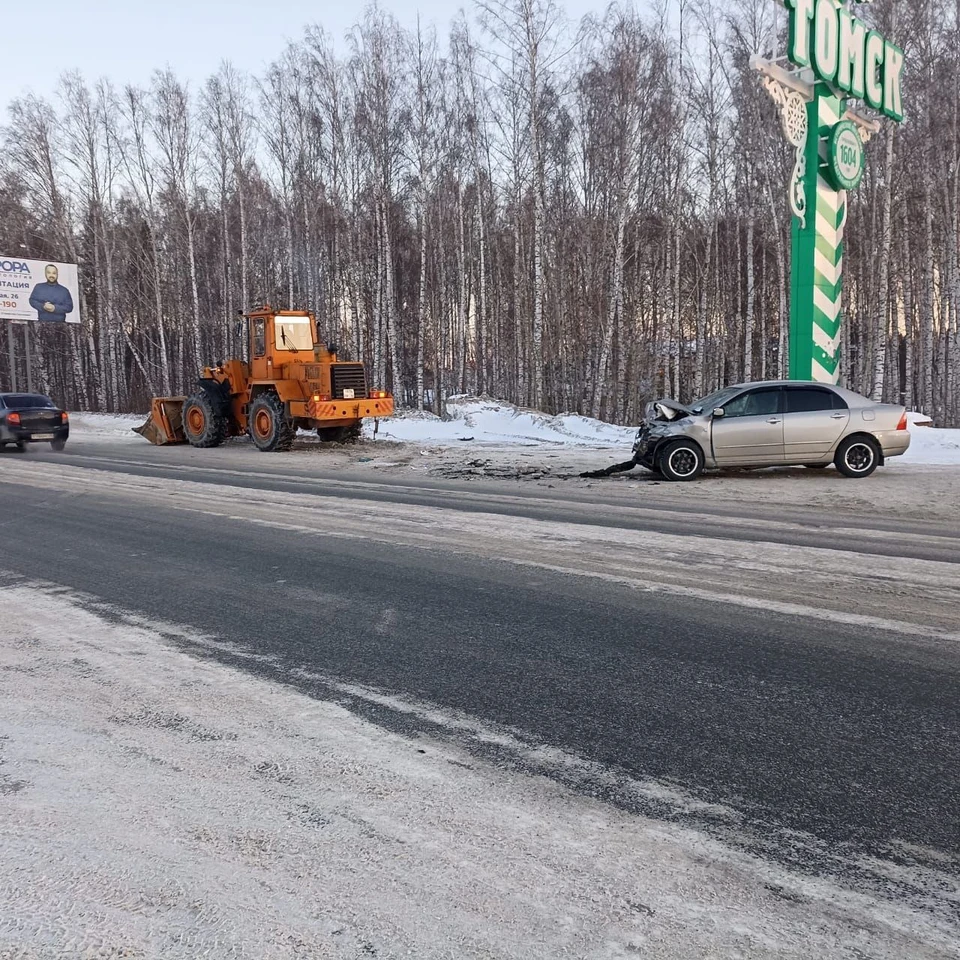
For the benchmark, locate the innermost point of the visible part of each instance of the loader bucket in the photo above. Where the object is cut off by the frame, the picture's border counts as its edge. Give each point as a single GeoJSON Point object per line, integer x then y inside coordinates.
{"type": "Point", "coordinates": [165, 423]}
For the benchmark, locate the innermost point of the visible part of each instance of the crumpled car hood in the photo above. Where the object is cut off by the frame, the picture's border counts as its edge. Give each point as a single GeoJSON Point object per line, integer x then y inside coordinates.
{"type": "Point", "coordinates": [665, 410]}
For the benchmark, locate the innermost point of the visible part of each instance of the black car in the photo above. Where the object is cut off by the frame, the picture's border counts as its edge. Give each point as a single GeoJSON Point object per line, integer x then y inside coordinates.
{"type": "Point", "coordinates": [32, 418]}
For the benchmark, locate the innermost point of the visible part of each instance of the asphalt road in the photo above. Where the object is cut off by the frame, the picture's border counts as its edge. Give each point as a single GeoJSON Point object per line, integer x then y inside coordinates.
{"type": "Point", "coordinates": [666, 510]}
{"type": "Point", "coordinates": [813, 742]}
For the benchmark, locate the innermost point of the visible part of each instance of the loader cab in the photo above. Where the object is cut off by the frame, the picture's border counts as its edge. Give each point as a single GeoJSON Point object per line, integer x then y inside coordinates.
{"type": "Point", "coordinates": [278, 338]}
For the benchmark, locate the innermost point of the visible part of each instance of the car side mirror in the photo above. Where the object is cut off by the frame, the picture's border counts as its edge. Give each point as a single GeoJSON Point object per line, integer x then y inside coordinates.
{"type": "Point", "coordinates": [239, 328]}
{"type": "Point", "coordinates": [719, 413]}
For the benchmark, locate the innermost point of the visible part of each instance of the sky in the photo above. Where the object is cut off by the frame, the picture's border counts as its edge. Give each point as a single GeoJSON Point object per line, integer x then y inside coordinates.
{"type": "Point", "coordinates": [126, 41]}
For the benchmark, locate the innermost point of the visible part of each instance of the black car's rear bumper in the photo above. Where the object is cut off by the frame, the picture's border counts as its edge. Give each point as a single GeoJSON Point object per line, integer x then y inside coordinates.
{"type": "Point", "coordinates": [33, 434]}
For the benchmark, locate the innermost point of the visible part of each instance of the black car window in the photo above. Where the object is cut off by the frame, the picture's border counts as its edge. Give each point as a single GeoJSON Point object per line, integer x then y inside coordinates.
{"type": "Point", "coordinates": [812, 399]}
{"type": "Point", "coordinates": [28, 401]}
{"type": "Point", "coordinates": [755, 403]}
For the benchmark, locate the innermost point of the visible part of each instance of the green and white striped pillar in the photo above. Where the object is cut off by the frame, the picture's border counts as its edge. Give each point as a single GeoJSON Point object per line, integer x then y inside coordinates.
{"type": "Point", "coordinates": [817, 269]}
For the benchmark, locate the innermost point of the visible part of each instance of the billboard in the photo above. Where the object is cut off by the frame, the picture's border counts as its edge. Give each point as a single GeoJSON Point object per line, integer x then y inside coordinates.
{"type": "Point", "coordinates": [40, 290]}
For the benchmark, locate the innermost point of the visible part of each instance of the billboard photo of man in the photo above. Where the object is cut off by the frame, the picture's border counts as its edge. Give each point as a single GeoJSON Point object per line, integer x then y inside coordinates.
{"type": "Point", "coordinates": [51, 299]}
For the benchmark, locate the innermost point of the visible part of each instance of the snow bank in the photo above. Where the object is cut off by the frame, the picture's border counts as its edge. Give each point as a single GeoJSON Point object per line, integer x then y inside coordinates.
{"type": "Point", "coordinates": [480, 420]}
{"type": "Point", "coordinates": [931, 446]}
{"type": "Point", "coordinates": [477, 420]}
{"type": "Point", "coordinates": [106, 427]}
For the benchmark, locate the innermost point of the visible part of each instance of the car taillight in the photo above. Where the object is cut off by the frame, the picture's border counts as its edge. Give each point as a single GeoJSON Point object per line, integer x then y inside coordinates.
{"type": "Point", "coordinates": [902, 425]}
{"type": "Point", "coordinates": [13, 418]}
{"type": "Point", "coordinates": [63, 417]}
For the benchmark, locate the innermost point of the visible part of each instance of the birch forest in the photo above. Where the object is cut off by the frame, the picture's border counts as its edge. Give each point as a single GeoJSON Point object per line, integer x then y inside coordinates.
{"type": "Point", "coordinates": [572, 216]}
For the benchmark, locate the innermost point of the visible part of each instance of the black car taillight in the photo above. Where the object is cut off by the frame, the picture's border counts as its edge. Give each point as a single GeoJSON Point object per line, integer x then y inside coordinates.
{"type": "Point", "coordinates": [14, 419]}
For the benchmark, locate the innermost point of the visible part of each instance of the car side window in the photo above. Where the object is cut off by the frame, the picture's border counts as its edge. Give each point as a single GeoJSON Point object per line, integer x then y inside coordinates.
{"type": "Point", "coordinates": [756, 403]}
{"type": "Point", "coordinates": [810, 400]}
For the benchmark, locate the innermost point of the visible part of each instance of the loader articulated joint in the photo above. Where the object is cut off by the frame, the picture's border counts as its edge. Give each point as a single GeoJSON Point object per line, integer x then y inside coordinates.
{"type": "Point", "coordinates": [219, 394]}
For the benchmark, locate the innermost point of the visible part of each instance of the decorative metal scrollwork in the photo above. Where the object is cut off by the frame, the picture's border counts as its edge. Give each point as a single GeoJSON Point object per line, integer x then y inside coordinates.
{"type": "Point", "coordinates": [793, 118]}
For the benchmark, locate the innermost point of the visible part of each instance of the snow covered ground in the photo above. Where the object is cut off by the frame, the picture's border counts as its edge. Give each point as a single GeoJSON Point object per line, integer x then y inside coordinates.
{"type": "Point", "coordinates": [931, 446]}
{"type": "Point", "coordinates": [485, 421]}
{"type": "Point", "coordinates": [159, 804]}
{"type": "Point", "coordinates": [482, 422]}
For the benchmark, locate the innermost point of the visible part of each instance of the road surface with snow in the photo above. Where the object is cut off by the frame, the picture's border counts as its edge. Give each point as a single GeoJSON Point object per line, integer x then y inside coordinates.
{"type": "Point", "coordinates": [408, 700]}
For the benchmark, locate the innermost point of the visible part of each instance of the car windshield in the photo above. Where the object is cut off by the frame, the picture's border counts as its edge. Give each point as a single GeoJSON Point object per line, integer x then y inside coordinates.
{"type": "Point", "coordinates": [714, 400]}
{"type": "Point", "coordinates": [26, 401]}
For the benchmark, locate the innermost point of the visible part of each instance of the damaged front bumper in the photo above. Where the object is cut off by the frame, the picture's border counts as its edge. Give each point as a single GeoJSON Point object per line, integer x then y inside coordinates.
{"type": "Point", "coordinates": [644, 446]}
{"type": "Point", "coordinates": [658, 423]}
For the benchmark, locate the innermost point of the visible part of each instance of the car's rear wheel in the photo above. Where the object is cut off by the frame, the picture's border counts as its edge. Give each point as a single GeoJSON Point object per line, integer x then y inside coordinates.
{"type": "Point", "coordinates": [857, 457]}
{"type": "Point", "coordinates": [21, 446]}
{"type": "Point", "coordinates": [58, 445]}
{"type": "Point", "coordinates": [680, 461]}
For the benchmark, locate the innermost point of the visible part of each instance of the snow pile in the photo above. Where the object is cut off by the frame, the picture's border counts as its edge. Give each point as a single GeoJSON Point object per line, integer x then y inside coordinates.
{"type": "Point", "coordinates": [482, 420]}
{"type": "Point", "coordinates": [106, 427]}
{"type": "Point", "coordinates": [931, 446]}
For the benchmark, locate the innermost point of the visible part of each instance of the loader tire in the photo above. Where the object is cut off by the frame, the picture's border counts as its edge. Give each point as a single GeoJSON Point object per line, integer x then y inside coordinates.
{"type": "Point", "coordinates": [203, 424]}
{"type": "Point", "coordinates": [269, 426]}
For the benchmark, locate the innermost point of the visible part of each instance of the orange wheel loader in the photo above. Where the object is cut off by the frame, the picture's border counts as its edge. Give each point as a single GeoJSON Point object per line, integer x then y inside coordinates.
{"type": "Point", "coordinates": [292, 382]}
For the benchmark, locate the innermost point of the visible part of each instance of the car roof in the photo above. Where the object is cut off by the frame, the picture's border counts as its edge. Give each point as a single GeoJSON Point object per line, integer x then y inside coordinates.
{"type": "Point", "coordinates": [843, 391]}
{"type": "Point", "coordinates": [784, 383]}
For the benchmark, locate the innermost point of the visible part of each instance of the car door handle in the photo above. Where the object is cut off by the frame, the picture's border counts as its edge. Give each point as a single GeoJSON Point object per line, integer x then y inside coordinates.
{"type": "Point", "coordinates": [774, 420]}
{"type": "Point", "coordinates": [838, 416]}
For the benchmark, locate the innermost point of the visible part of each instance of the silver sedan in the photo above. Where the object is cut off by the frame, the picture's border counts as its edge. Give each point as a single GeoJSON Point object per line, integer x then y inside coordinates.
{"type": "Point", "coordinates": [768, 424]}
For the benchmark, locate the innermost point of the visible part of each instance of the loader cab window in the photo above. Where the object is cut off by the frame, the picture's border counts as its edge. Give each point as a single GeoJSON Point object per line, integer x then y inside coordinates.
{"type": "Point", "coordinates": [293, 333]}
{"type": "Point", "coordinates": [259, 337]}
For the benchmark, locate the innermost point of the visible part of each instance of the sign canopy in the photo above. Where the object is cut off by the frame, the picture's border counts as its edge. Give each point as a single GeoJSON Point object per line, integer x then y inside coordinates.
{"type": "Point", "coordinates": [847, 54]}
{"type": "Point", "coordinates": [40, 290]}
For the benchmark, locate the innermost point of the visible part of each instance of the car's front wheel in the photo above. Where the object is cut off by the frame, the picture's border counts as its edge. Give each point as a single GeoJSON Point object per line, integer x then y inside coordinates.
{"type": "Point", "coordinates": [857, 457]}
{"type": "Point", "coordinates": [680, 460]}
